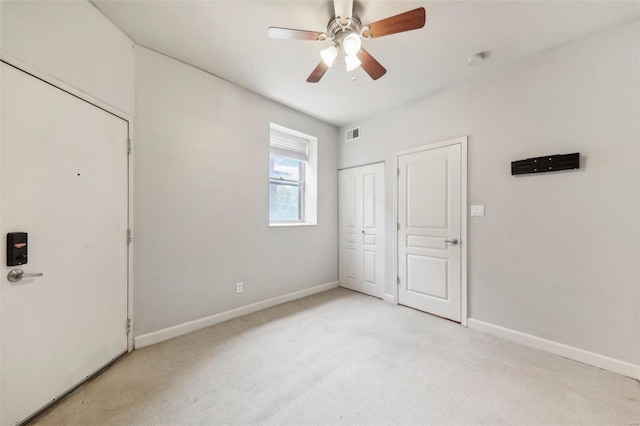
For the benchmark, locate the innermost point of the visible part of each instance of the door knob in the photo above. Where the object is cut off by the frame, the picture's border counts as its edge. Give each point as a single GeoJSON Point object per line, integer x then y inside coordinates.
{"type": "Point", "coordinates": [16, 275]}
{"type": "Point", "coordinates": [453, 241]}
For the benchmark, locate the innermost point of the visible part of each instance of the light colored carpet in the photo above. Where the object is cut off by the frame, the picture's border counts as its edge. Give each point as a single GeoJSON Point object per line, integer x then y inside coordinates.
{"type": "Point", "coordinates": [340, 357]}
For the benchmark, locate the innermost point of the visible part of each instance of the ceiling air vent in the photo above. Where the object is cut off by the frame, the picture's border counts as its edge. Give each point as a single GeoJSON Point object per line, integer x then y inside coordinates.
{"type": "Point", "coordinates": [353, 134]}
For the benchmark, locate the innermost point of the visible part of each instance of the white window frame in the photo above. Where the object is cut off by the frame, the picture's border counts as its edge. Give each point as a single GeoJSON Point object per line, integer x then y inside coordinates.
{"type": "Point", "coordinates": [308, 180]}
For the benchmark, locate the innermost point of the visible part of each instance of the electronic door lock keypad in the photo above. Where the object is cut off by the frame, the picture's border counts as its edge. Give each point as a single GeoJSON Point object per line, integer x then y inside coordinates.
{"type": "Point", "coordinates": [17, 248]}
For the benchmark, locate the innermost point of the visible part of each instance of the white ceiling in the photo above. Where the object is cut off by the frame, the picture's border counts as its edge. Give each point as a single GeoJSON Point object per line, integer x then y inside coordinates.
{"type": "Point", "coordinates": [229, 39]}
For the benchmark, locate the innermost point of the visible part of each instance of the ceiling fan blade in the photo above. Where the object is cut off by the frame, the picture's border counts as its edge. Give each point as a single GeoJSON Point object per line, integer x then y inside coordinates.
{"type": "Point", "coordinates": [411, 20]}
{"type": "Point", "coordinates": [343, 9]}
{"type": "Point", "coordinates": [370, 65]}
{"type": "Point", "coordinates": [317, 73]}
{"type": "Point", "coordinates": [291, 34]}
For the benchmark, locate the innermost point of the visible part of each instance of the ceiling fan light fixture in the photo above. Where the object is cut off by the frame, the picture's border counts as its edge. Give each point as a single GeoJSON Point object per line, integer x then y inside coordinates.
{"type": "Point", "coordinates": [351, 44]}
{"type": "Point", "coordinates": [347, 34]}
{"type": "Point", "coordinates": [352, 62]}
{"type": "Point", "coordinates": [329, 55]}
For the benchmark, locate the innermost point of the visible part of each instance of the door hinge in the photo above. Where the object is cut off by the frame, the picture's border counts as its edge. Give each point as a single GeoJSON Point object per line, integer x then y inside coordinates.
{"type": "Point", "coordinates": [128, 146]}
{"type": "Point", "coordinates": [398, 280]}
{"type": "Point", "coordinates": [398, 225]}
{"type": "Point", "coordinates": [128, 325]}
{"type": "Point", "coordinates": [129, 236]}
{"type": "Point", "coordinates": [398, 172]}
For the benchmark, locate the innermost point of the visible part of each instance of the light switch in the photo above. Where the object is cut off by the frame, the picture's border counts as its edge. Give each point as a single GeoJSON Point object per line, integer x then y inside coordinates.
{"type": "Point", "coordinates": [477, 210]}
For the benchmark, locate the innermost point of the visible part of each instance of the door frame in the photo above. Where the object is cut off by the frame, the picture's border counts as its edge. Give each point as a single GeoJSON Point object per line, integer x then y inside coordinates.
{"type": "Point", "coordinates": [462, 141]}
{"type": "Point", "coordinates": [20, 65]}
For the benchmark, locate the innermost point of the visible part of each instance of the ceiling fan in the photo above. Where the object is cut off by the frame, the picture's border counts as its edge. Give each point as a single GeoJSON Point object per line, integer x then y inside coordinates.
{"type": "Point", "coordinates": [346, 32]}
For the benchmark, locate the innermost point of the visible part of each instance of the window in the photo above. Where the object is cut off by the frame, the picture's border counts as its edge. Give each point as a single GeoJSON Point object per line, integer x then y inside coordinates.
{"type": "Point", "coordinates": [286, 189]}
{"type": "Point", "coordinates": [292, 178]}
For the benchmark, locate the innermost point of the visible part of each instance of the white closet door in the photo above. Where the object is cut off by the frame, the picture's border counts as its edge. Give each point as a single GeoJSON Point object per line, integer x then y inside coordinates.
{"type": "Point", "coordinates": [350, 220]}
{"type": "Point", "coordinates": [361, 232]}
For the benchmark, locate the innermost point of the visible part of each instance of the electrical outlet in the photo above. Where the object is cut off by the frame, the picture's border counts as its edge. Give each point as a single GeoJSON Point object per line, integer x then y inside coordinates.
{"type": "Point", "coordinates": [239, 287]}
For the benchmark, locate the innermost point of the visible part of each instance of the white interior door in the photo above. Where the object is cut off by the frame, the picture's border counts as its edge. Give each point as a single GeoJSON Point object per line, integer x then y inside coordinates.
{"type": "Point", "coordinates": [429, 217]}
{"type": "Point", "coordinates": [64, 181]}
{"type": "Point", "coordinates": [361, 230]}
{"type": "Point", "coordinates": [350, 227]}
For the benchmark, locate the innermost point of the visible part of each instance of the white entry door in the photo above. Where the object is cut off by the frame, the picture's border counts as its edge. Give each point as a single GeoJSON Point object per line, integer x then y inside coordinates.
{"type": "Point", "coordinates": [429, 234]}
{"type": "Point", "coordinates": [361, 230]}
{"type": "Point", "coordinates": [64, 181]}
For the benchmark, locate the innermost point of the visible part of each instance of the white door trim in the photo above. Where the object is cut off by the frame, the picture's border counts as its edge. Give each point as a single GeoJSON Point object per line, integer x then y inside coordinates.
{"type": "Point", "coordinates": [462, 141]}
{"type": "Point", "coordinates": [47, 78]}
{"type": "Point", "coordinates": [362, 165]}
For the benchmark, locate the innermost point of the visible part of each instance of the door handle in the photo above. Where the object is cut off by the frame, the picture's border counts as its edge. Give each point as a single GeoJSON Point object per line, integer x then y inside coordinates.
{"type": "Point", "coordinates": [16, 275]}
{"type": "Point", "coordinates": [453, 241]}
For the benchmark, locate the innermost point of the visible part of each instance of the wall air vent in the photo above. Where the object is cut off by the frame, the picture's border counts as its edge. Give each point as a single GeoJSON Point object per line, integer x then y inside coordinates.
{"type": "Point", "coordinates": [353, 134]}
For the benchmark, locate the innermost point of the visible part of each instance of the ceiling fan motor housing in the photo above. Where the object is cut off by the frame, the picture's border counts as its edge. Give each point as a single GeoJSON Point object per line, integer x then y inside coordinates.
{"type": "Point", "coordinates": [337, 31]}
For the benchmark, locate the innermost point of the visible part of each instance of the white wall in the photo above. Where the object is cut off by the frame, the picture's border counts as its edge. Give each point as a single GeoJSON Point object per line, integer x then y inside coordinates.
{"type": "Point", "coordinates": [556, 255]}
{"type": "Point", "coordinates": [73, 42]}
{"type": "Point", "coordinates": [201, 188]}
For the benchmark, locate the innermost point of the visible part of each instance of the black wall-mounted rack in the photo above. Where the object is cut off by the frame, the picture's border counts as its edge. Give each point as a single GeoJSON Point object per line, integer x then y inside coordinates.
{"type": "Point", "coordinates": [548, 163]}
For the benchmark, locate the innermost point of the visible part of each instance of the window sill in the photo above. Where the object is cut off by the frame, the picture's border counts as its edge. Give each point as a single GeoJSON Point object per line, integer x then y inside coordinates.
{"type": "Point", "coordinates": [285, 225]}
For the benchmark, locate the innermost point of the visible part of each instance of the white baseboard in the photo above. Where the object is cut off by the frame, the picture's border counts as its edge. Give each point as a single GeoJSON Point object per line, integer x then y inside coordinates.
{"type": "Point", "coordinates": [187, 327]}
{"type": "Point", "coordinates": [389, 298]}
{"type": "Point", "coordinates": [566, 351]}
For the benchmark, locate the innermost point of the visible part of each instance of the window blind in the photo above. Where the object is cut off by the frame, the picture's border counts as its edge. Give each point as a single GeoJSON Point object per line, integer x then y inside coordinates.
{"type": "Point", "coordinates": [286, 145]}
